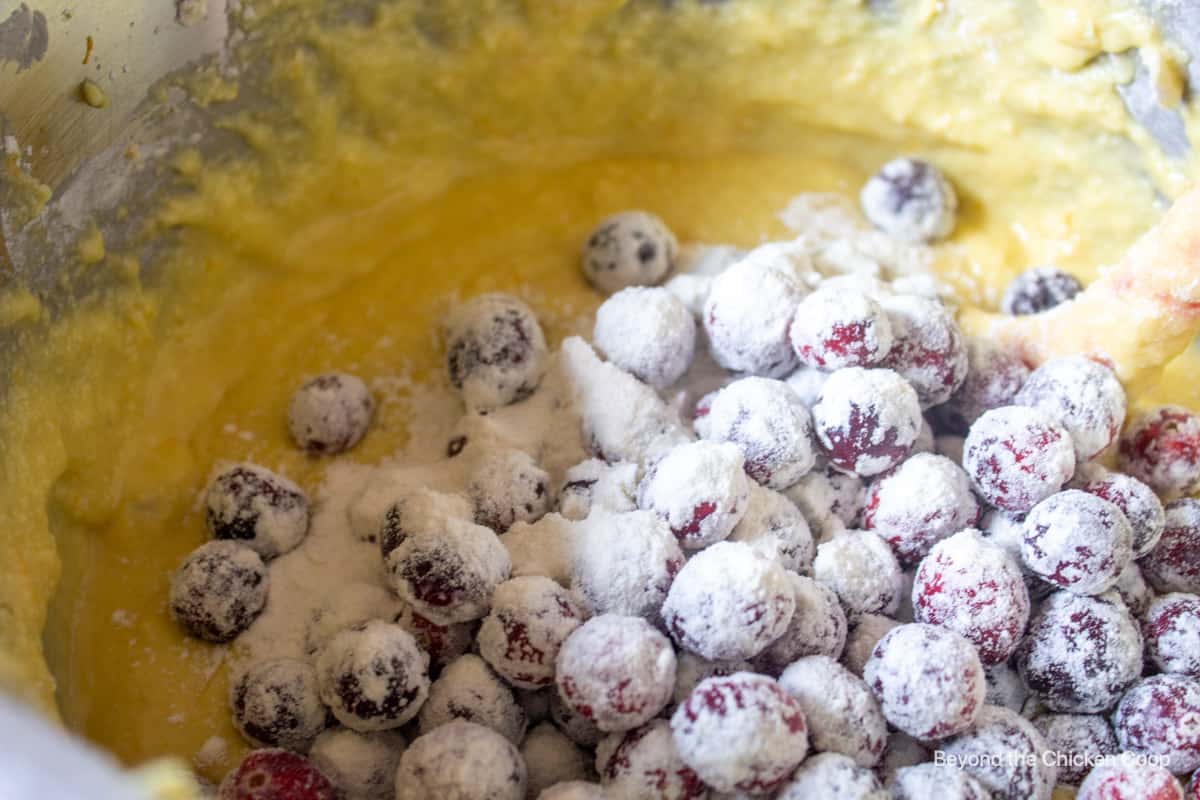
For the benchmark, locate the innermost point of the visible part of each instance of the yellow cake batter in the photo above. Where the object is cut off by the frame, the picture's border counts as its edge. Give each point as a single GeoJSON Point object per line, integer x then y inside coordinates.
{"type": "Point", "coordinates": [427, 153]}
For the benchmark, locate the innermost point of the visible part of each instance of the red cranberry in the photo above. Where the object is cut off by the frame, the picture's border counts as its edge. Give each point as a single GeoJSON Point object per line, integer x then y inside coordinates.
{"type": "Point", "coordinates": [973, 587]}
{"type": "Point", "coordinates": [1077, 741]}
{"type": "Point", "coordinates": [276, 703]}
{"type": "Point", "coordinates": [928, 680]}
{"type": "Point", "coordinates": [276, 775]}
{"type": "Point", "coordinates": [830, 775]}
{"type": "Point", "coordinates": [910, 200]}
{"type": "Point", "coordinates": [1160, 716]}
{"type": "Point", "coordinates": [929, 351]}
{"type": "Point", "coordinates": [495, 351]}
{"type": "Point", "coordinates": [616, 671]}
{"type": "Point", "coordinates": [994, 376]}
{"type": "Point", "coordinates": [1162, 449]}
{"type": "Point", "coordinates": [643, 763]}
{"type": "Point", "coordinates": [926, 499]}
{"type": "Point", "coordinates": [867, 420]}
{"type": "Point", "coordinates": [818, 627]}
{"type": "Point", "coordinates": [749, 308]}
{"type": "Point", "coordinates": [1137, 501]}
{"type": "Point", "coordinates": [461, 760]}
{"type": "Point", "coordinates": [648, 332]}
{"type": "Point", "coordinates": [250, 504]}
{"type": "Point", "coordinates": [840, 327]}
{"type": "Point", "coordinates": [1172, 630]}
{"type": "Point", "coordinates": [1081, 653]}
{"type": "Point", "coordinates": [1174, 563]}
{"type": "Point", "coordinates": [773, 428]}
{"type": "Point", "coordinates": [469, 689]}
{"type": "Point", "coordinates": [861, 569]}
{"type": "Point", "coordinates": [448, 575]}
{"type": "Point", "coordinates": [373, 676]}
{"type": "Point", "coordinates": [699, 488]}
{"type": "Point", "coordinates": [1004, 752]}
{"type": "Point", "coordinates": [1082, 394]}
{"type": "Point", "coordinates": [771, 740]}
{"type": "Point", "coordinates": [218, 591]}
{"type": "Point", "coordinates": [842, 714]}
{"type": "Point", "coordinates": [1017, 457]}
{"type": "Point", "coordinates": [530, 619]}
{"type": "Point", "coordinates": [729, 602]}
{"type": "Point", "coordinates": [1130, 779]}
{"type": "Point", "coordinates": [1039, 289]}
{"type": "Point", "coordinates": [1077, 541]}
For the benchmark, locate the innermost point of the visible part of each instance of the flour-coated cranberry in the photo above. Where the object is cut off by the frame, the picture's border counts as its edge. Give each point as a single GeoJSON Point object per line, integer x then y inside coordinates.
{"type": "Point", "coordinates": [830, 500]}
{"type": "Point", "coordinates": [1161, 448]}
{"type": "Point", "coordinates": [842, 714]}
{"type": "Point", "coordinates": [1172, 629]}
{"type": "Point", "coordinates": [416, 509]}
{"type": "Point", "coordinates": [1160, 716]}
{"type": "Point", "coordinates": [495, 351]}
{"type": "Point", "coordinates": [1077, 541]}
{"type": "Point", "coordinates": [252, 505]}
{"type": "Point", "coordinates": [866, 420]}
{"type": "Point", "coordinates": [973, 587]}
{"type": "Point", "coordinates": [994, 376]}
{"type": "Point", "coordinates": [748, 312]}
{"type": "Point", "coordinates": [531, 617]}
{"type": "Point", "coordinates": [861, 639]}
{"type": "Point", "coordinates": [927, 498]}
{"type": "Point", "coordinates": [729, 602]}
{"type": "Point", "coordinates": [818, 627]}
{"type": "Point", "coordinates": [928, 680]}
{"type": "Point", "coordinates": [840, 327]}
{"type": "Point", "coordinates": [936, 782]}
{"type": "Point", "coordinates": [928, 351]}
{"type": "Point", "coordinates": [741, 732]}
{"type": "Point", "coordinates": [775, 527]}
{"type": "Point", "coordinates": [448, 575]}
{"type": "Point", "coordinates": [1076, 741]}
{"type": "Point", "coordinates": [469, 689]}
{"type": "Point", "coordinates": [910, 200]}
{"type": "Point", "coordinates": [597, 484]}
{"type": "Point", "coordinates": [464, 761]}
{"type": "Point", "coordinates": [276, 703]}
{"type": "Point", "coordinates": [831, 775]}
{"type": "Point", "coordinates": [373, 676]}
{"type": "Point", "coordinates": [1130, 778]}
{"type": "Point", "coordinates": [574, 790]}
{"type": "Point", "coordinates": [274, 774]}
{"type": "Point", "coordinates": [551, 758]}
{"type": "Point", "coordinates": [631, 248]}
{"type": "Point", "coordinates": [1005, 689]}
{"type": "Point", "coordinates": [576, 727]}
{"type": "Point", "coordinates": [507, 486]}
{"type": "Point", "coordinates": [1039, 289]}
{"type": "Point", "coordinates": [643, 764]}
{"type": "Point", "coordinates": [772, 426]}
{"type": "Point", "coordinates": [218, 591]}
{"type": "Point", "coordinates": [1141, 506]}
{"type": "Point", "coordinates": [700, 489]}
{"type": "Point", "coordinates": [616, 671]}
{"type": "Point", "coordinates": [862, 570]}
{"type": "Point", "coordinates": [1084, 396]}
{"type": "Point", "coordinates": [330, 413]}
{"type": "Point", "coordinates": [1081, 653]}
{"type": "Point", "coordinates": [690, 669]}
{"type": "Point", "coordinates": [1017, 457]}
{"type": "Point", "coordinates": [648, 332]}
{"type": "Point", "coordinates": [624, 563]}
{"type": "Point", "coordinates": [1174, 563]}
{"type": "Point", "coordinates": [1133, 589]}
{"type": "Point", "coordinates": [1004, 752]}
{"type": "Point", "coordinates": [443, 643]}
{"type": "Point", "coordinates": [362, 766]}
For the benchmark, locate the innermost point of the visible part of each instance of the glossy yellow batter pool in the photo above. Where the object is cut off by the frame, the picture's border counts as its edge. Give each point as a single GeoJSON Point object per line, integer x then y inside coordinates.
{"type": "Point", "coordinates": [425, 154]}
